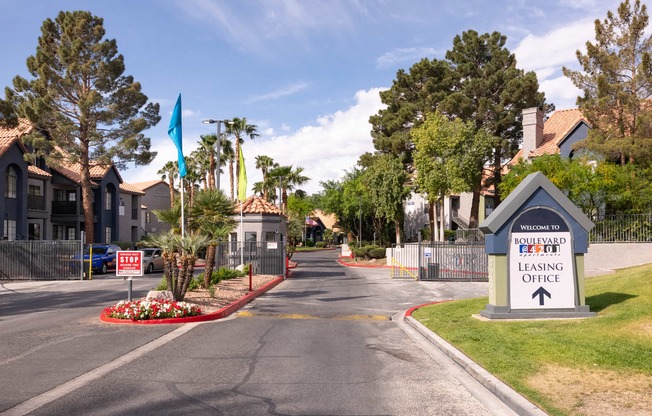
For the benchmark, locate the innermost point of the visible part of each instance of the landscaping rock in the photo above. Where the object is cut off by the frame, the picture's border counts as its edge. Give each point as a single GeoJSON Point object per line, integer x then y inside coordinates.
{"type": "Point", "coordinates": [160, 295]}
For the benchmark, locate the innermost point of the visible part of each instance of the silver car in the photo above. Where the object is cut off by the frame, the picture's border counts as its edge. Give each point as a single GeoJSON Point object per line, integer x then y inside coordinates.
{"type": "Point", "coordinates": [152, 259]}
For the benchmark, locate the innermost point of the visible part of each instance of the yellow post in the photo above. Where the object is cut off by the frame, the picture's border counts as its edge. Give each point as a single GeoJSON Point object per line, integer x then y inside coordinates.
{"type": "Point", "coordinates": [90, 262]}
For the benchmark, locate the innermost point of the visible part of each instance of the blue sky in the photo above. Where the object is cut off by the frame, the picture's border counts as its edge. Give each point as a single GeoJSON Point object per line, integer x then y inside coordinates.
{"type": "Point", "coordinates": [307, 73]}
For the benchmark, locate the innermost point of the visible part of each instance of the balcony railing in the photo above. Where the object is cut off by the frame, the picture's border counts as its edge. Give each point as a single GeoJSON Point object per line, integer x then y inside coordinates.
{"type": "Point", "coordinates": [64, 207]}
{"type": "Point", "coordinates": [36, 202]}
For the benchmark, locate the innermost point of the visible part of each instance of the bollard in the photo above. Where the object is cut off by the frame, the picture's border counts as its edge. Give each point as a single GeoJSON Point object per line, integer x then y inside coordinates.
{"type": "Point", "coordinates": [129, 290]}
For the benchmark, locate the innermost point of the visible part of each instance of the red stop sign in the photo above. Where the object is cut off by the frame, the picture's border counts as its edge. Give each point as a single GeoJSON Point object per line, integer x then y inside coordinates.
{"type": "Point", "coordinates": [129, 263]}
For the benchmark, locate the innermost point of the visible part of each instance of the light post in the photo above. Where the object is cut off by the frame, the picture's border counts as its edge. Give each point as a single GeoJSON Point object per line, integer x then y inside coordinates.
{"type": "Point", "coordinates": [219, 145]}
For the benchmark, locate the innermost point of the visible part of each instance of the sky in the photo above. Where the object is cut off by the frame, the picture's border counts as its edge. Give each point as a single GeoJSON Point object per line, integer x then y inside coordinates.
{"type": "Point", "coordinates": [307, 73]}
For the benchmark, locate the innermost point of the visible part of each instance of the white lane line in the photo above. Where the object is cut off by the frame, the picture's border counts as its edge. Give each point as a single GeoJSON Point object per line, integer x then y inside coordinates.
{"type": "Point", "coordinates": [66, 388]}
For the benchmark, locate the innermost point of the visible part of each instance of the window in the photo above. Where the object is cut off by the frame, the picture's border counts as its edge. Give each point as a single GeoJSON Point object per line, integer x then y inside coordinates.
{"type": "Point", "coordinates": [57, 232]}
{"type": "Point", "coordinates": [11, 183]}
{"type": "Point", "coordinates": [71, 196]}
{"type": "Point", "coordinates": [10, 230]}
{"type": "Point", "coordinates": [107, 235]}
{"type": "Point", "coordinates": [270, 236]}
{"type": "Point", "coordinates": [148, 217]}
{"type": "Point", "coordinates": [71, 234]}
{"type": "Point", "coordinates": [250, 236]}
{"type": "Point", "coordinates": [34, 190]}
{"type": "Point", "coordinates": [109, 202]}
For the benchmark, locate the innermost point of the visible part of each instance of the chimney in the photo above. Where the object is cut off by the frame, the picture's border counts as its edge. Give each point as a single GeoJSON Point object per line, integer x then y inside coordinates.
{"type": "Point", "coordinates": [532, 130]}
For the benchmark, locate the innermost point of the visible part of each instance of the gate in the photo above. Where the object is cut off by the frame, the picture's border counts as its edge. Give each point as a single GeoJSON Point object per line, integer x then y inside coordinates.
{"type": "Point", "coordinates": [440, 261]}
{"type": "Point", "coordinates": [264, 257]}
{"type": "Point", "coordinates": [41, 260]}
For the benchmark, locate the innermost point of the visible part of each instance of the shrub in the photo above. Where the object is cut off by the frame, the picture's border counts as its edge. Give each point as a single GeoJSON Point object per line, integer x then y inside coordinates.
{"type": "Point", "coordinates": [226, 274]}
{"type": "Point", "coordinates": [310, 243]}
{"type": "Point", "coordinates": [320, 244]}
{"type": "Point", "coordinates": [352, 244]}
{"type": "Point", "coordinates": [377, 253]}
{"type": "Point", "coordinates": [196, 283]}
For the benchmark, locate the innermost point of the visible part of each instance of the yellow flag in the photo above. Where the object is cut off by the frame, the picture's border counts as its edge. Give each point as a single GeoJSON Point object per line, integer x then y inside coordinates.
{"type": "Point", "coordinates": [242, 178]}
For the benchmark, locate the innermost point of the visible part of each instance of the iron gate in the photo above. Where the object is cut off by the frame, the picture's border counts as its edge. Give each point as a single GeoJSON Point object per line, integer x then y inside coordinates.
{"type": "Point", "coordinates": [41, 260]}
{"type": "Point", "coordinates": [264, 257]}
{"type": "Point", "coordinates": [437, 261]}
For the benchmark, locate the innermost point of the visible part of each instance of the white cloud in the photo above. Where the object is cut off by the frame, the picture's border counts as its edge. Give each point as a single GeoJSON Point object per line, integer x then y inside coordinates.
{"type": "Point", "coordinates": [324, 150]}
{"type": "Point", "coordinates": [561, 92]}
{"type": "Point", "coordinates": [556, 48]}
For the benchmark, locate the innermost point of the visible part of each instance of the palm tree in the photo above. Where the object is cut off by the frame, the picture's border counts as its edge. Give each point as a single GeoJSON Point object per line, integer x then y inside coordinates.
{"type": "Point", "coordinates": [170, 171]}
{"type": "Point", "coordinates": [211, 214]}
{"type": "Point", "coordinates": [207, 147]}
{"type": "Point", "coordinates": [229, 156]}
{"type": "Point", "coordinates": [239, 129]}
{"type": "Point", "coordinates": [171, 216]}
{"type": "Point", "coordinates": [200, 162]}
{"type": "Point", "coordinates": [189, 247]}
{"type": "Point", "coordinates": [288, 179]}
{"type": "Point", "coordinates": [264, 163]}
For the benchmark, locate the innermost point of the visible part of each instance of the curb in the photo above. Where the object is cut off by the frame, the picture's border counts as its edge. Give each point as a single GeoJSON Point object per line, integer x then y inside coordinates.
{"type": "Point", "coordinates": [506, 394]}
{"type": "Point", "coordinates": [363, 266]}
{"type": "Point", "coordinates": [222, 313]}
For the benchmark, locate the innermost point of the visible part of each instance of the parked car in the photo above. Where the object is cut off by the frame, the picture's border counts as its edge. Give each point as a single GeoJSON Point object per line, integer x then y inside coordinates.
{"type": "Point", "coordinates": [152, 259]}
{"type": "Point", "coordinates": [103, 257]}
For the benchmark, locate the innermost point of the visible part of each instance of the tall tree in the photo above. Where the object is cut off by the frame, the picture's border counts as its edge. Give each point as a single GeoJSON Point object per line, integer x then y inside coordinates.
{"type": "Point", "coordinates": [492, 93]}
{"type": "Point", "coordinates": [84, 109]}
{"type": "Point", "coordinates": [412, 96]}
{"type": "Point", "coordinates": [289, 179]}
{"type": "Point", "coordinates": [265, 163]}
{"type": "Point", "coordinates": [170, 172]}
{"type": "Point", "coordinates": [239, 128]}
{"type": "Point", "coordinates": [616, 80]}
{"type": "Point", "coordinates": [228, 156]}
{"type": "Point", "coordinates": [385, 179]}
{"type": "Point", "coordinates": [207, 146]}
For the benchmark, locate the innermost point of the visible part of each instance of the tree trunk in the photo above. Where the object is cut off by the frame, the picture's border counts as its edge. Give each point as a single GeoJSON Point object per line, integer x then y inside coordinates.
{"type": "Point", "coordinates": [87, 196]}
{"type": "Point", "coordinates": [475, 207]}
{"type": "Point", "coordinates": [433, 218]}
{"type": "Point", "coordinates": [211, 171]}
{"type": "Point", "coordinates": [497, 178]}
{"type": "Point", "coordinates": [210, 264]}
{"type": "Point", "coordinates": [171, 191]}
{"type": "Point", "coordinates": [399, 230]}
{"type": "Point", "coordinates": [440, 215]}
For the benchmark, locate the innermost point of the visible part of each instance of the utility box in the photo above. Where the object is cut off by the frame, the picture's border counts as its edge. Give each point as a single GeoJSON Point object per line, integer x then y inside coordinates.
{"type": "Point", "coordinates": [536, 240]}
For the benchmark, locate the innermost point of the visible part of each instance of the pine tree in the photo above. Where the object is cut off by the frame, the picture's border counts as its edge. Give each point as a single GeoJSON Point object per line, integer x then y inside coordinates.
{"type": "Point", "coordinates": [84, 110]}
{"type": "Point", "coordinates": [616, 80]}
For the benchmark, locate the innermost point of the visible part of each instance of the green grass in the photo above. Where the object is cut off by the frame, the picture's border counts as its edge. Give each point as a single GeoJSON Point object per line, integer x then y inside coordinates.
{"type": "Point", "coordinates": [513, 351]}
{"type": "Point", "coordinates": [298, 249]}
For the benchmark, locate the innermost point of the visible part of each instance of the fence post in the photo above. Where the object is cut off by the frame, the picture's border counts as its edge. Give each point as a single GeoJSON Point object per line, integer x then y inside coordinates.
{"type": "Point", "coordinates": [419, 255]}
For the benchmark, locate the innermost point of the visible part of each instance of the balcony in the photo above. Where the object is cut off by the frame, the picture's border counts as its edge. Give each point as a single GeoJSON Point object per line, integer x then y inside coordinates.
{"type": "Point", "coordinates": [64, 207]}
{"type": "Point", "coordinates": [36, 202]}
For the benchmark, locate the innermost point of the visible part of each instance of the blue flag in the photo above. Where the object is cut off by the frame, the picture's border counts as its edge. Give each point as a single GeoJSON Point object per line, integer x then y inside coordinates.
{"type": "Point", "coordinates": [174, 131]}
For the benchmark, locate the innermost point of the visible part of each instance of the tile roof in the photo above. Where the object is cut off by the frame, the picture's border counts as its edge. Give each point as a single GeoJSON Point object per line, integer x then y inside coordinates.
{"type": "Point", "coordinates": [143, 186]}
{"type": "Point", "coordinates": [555, 130]}
{"type": "Point", "coordinates": [34, 171]}
{"type": "Point", "coordinates": [8, 136]}
{"type": "Point", "coordinates": [130, 188]}
{"type": "Point", "coordinates": [73, 175]}
{"type": "Point", "coordinates": [257, 205]}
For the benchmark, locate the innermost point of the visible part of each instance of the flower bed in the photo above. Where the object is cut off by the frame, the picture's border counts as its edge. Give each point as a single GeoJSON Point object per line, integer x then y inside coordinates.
{"type": "Point", "coordinates": [141, 310]}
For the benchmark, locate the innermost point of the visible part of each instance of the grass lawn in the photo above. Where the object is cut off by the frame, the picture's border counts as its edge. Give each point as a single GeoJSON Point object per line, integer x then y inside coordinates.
{"type": "Point", "coordinates": [600, 365]}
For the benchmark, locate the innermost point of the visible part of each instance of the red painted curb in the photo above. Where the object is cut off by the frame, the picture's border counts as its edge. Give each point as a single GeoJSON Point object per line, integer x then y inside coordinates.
{"type": "Point", "coordinates": [414, 308]}
{"type": "Point", "coordinates": [368, 266]}
{"type": "Point", "coordinates": [222, 313]}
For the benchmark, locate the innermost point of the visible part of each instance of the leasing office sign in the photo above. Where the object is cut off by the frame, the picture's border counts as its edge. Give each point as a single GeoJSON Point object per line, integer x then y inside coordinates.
{"type": "Point", "coordinates": [541, 269]}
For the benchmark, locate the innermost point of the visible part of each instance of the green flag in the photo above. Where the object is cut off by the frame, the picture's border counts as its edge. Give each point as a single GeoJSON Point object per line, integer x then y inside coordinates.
{"type": "Point", "coordinates": [242, 178]}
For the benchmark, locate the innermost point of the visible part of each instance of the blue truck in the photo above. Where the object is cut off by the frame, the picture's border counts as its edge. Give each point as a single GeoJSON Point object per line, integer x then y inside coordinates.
{"type": "Point", "coordinates": [103, 257]}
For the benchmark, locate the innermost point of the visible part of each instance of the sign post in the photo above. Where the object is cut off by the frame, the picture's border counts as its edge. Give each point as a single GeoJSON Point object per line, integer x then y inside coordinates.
{"type": "Point", "coordinates": [129, 264]}
{"type": "Point", "coordinates": [536, 240]}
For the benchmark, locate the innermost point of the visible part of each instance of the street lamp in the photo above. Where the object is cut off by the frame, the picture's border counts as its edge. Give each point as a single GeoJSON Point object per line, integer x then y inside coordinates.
{"type": "Point", "coordinates": [219, 145]}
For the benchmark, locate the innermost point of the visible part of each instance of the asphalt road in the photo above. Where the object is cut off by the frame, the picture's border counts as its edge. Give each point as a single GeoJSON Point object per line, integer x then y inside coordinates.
{"type": "Point", "coordinates": [320, 343]}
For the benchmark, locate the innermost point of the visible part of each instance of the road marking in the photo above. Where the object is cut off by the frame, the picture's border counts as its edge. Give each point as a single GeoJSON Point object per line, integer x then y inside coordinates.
{"type": "Point", "coordinates": [249, 314]}
{"type": "Point", "coordinates": [66, 388]}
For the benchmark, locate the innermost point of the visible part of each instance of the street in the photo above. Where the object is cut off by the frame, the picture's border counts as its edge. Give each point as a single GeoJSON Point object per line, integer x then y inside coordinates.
{"type": "Point", "coordinates": [320, 343]}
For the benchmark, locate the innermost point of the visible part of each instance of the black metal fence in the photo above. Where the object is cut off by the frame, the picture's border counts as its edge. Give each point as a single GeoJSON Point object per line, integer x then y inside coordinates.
{"type": "Point", "coordinates": [264, 257]}
{"type": "Point", "coordinates": [464, 262]}
{"type": "Point", "coordinates": [41, 260]}
{"type": "Point", "coordinates": [622, 228]}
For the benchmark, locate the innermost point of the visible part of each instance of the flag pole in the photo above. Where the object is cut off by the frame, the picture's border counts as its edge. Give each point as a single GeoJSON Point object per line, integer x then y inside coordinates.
{"type": "Point", "coordinates": [183, 215]}
{"type": "Point", "coordinates": [241, 236]}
